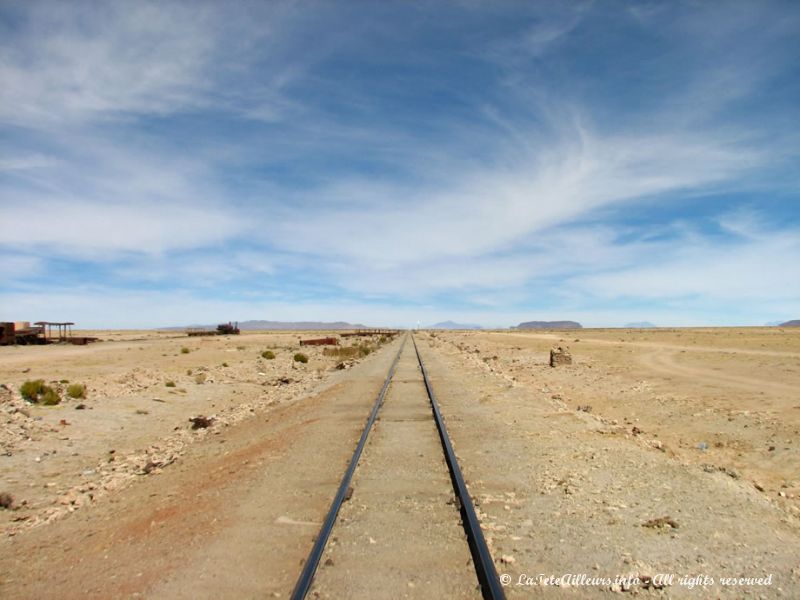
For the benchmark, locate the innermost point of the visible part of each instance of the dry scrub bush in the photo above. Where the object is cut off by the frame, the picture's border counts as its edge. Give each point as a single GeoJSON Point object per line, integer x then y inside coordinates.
{"type": "Point", "coordinates": [348, 351]}
{"type": "Point", "coordinates": [301, 358]}
{"type": "Point", "coordinates": [50, 397]}
{"type": "Point", "coordinates": [76, 391]}
{"type": "Point", "coordinates": [32, 389]}
{"type": "Point", "coordinates": [36, 391]}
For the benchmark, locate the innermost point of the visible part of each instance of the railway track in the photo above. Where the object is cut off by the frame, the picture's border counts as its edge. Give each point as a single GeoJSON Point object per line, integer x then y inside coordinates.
{"type": "Point", "coordinates": [416, 498]}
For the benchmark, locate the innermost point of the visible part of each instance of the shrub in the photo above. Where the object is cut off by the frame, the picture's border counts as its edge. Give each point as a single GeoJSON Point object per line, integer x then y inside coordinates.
{"type": "Point", "coordinates": [64, 381]}
{"type": "Point", "coordinates": [225, 364]}
{"type": "Point", "coordinates": [31, 390]}
{"type": "Point", "coordinates": [185, 350]}
{"type": "Point", "coordinates": [200, 378]}
{"type": "Point", "coordinates": [76, 390]}
{"type": "Point", "coordinates": [348, 351]}
{"type": "Point", "coordinates": [50, 397]}
{"type": "Point", "coordinates": [37, 391]}
{"type": "Point", "coordinates": [268, 354]}
{"type": "Point", "coordinates": [188, 371]}
{"type": "Point", "coordinates": [301, 358]}
{"type": "Point", "coordinates": [170, 384]}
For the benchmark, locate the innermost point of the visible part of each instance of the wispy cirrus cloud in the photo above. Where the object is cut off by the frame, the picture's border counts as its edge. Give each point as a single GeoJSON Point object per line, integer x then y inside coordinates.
{"type": "Point", "coordinates": [491, 160]}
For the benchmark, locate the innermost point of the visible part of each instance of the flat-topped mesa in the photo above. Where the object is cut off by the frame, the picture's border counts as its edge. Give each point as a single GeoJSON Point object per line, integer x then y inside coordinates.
{"type": "Point", "coordinates": [560, 355]}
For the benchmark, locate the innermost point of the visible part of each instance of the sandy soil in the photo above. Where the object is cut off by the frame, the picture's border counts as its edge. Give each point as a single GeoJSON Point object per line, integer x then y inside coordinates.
{"type": "Point", "coordinates": [566, 491]}
{"type": "Point", "coordinates": [657, 453]}
{"type": "Point", "coordinates": [54, 459]}
{"type": "Point", "coordinates": [724, 397]}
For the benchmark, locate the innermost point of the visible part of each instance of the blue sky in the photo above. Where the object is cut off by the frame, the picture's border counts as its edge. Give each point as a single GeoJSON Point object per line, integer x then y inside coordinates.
{"type": "Point", "coordinates": [386, 163]}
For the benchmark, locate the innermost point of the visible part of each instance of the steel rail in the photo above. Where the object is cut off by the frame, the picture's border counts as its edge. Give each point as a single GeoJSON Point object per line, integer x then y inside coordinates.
{"type": "Point", "coordinates": [310, 568]}
{"type": "Point", "coordinates": [491, 587]}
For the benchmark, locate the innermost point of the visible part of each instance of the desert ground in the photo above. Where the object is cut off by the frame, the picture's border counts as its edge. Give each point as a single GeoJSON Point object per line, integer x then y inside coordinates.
{"type": "Point", "coordinates": [662, 463]}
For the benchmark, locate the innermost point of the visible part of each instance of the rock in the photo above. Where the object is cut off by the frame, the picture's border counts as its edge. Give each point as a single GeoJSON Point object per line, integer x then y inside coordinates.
{"type": "Point", "coordinates": [80, 407]}
{"type": "Point", "coordinates": [6, 500]}
{"type": "Point", "coordinates": [201, 422]}
{"type": "Point", "coordinates": [560, 356]}
{"type": "Point", "coordinates": [507, 559]}
{"type": "Point", "coordinates": [661, 523]}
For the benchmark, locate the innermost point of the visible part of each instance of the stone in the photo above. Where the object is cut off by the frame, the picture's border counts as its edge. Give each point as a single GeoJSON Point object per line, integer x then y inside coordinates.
{"type": "Point", "coordinates": [6, 500]}
{"type": "Point", "coordinates": [560, 356]}
{"type": "Point", "coordinates": [201, 422]}
{"type": "Point", "coordinates": [661, 523]}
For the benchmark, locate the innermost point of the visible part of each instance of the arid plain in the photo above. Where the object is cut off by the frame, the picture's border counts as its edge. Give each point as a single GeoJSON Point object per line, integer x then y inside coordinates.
{"type": "Point", "coordinates": [657, 452]}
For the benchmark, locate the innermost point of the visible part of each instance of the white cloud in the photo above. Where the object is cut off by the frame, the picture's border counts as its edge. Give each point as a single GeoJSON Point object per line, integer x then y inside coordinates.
{"type": "Point", "coordinates": [100, 231]}
{"type": "Point", "coordinates": [16, 266]}
{"type": "Point", "coordinates": [84, 62]}
{"type": "Point", "coordinates": [25, 162]}
{"type": "Point", "coordinates": [488, 210]}
{"type": "Point", "coordinates": [99, 198]}
{"type": "Point", "coordinates": [758, 270]}
{"type": "Point", "coordinates": [80, 60]}
{"type": "Point", "coordinates": [482, 206]}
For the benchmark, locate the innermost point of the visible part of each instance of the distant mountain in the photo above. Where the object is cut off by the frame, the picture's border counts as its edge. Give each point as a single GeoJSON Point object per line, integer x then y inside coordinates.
{"type": "Point", "coordinates": [549, 325]}
{"type": "Point", "coordinates": [773, 323]}
{"type": "Point", "coordinates": [792, 323]}
{"type": "Point", "coordinates": [640, 325]}
{"type": "Point", "coordinates": [281, 325]}
{"type": "Point", "coordinates": [453, 325]}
